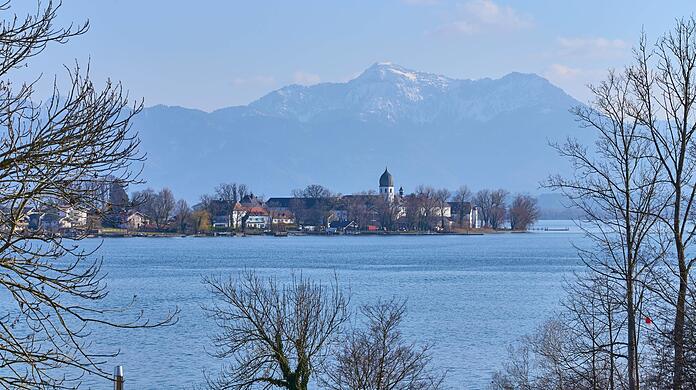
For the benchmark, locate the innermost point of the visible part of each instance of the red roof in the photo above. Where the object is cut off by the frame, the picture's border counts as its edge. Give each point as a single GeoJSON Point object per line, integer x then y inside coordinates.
{"type": "Point", "coordinates": [258, 211]}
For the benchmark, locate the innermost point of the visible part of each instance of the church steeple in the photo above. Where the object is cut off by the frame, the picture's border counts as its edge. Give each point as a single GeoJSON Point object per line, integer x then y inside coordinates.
{"type": "Point", "coordinates": [386, 184]}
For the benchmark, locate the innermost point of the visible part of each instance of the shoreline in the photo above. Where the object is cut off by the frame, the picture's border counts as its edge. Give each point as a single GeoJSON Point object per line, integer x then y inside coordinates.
{"type": "Point", "coordinates": [301, 234]}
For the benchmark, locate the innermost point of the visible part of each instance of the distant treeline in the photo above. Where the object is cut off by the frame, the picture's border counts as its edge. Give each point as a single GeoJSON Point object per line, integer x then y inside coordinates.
{"type": "Point", "coordinates": [234, 207]}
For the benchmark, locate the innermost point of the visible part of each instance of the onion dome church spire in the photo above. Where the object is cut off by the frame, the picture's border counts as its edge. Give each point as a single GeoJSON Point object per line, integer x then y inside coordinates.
{"type": "Point", "coordinates": [386, 185]}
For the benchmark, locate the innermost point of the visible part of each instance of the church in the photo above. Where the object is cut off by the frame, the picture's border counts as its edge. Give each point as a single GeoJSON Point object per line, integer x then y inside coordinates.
{"type": "Point", "coordinates": [451, 212]}
{"type": "Point", "coordinates": [386, 186]}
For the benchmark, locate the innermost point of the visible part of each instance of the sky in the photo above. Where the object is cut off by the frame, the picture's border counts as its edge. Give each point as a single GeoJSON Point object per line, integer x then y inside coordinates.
{"type": "Point", "coordinates": [210, 54]}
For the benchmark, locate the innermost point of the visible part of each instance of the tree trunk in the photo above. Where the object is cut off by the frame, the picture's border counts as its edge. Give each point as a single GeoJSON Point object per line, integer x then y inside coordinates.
{"type": "Point", "coordinates": [679, 320]}
{"type": "Point", "coordinates": [461, 214]}
{"type": "Point", "coordinates": [679, 317]}
{"type": "Point", "coordinates": [442, 216]}
{"type": "Point", "coordinates": [632, 348]}
{"type": "Point", "coordinates": [612, 363]}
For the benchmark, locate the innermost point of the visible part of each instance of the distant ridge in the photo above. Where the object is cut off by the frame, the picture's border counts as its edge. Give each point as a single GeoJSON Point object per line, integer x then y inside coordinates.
{"type": "Point", "coordinates": [389, 92]}
{"type": "Point", "coordinates": [429, 128]}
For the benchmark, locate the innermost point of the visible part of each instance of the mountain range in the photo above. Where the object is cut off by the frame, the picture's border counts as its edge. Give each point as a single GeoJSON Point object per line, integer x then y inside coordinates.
{"type": "Point", "coordinates": [427, 128]}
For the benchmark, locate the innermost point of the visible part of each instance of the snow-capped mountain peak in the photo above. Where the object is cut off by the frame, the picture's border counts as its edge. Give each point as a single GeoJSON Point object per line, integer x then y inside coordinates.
{"type": "Point", "coordinates": [433, 129]}
{"type": "Point", "coordinates": [390, 72]}
{"type": "Point", "coordinates": [391, 92]}
{"type": "Point", "coordinates": [387, 71]}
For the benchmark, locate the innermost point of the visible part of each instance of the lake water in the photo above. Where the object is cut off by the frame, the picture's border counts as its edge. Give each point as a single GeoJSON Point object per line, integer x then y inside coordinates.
{"type": "Point", "coordinates": [469, 295]}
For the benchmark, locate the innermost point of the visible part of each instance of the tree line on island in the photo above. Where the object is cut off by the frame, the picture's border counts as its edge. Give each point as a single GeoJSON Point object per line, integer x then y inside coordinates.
{"type": "Point", "coordinates": [316, 207]}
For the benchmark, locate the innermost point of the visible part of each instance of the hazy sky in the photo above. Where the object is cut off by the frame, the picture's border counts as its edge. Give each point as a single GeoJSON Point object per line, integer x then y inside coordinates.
{"type": "Point", "coordinates": [212, 53]}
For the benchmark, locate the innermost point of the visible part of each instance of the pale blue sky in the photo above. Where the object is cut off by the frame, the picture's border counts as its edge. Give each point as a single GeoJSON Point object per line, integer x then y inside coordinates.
{"type": "Point", "coordinates": [209, 54]}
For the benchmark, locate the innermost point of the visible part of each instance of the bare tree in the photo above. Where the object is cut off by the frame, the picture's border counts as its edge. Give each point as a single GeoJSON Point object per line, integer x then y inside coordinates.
{"type": "Point", "coordinates": [523, 212]}
{"type": "Point", "coordinates": [424, 206]}
{"type": "Point", "coordinates": [661, 358]}
{"type": "Point", "coordinates": [388, 211]}
{"type": "Point", "coordinates": [212, 205]}
{"type": "Point", "coordinates": [116, 205]}
{"type": "Point", "coordinates": [313, 191]}
{"type": "Point", "coordinates": [462, 196]}
{"type": "Point", "coordinates": [54, 153]}
{"type": "Point", "coordinates": [183, 215]}
{"type": "Point", "coordinates": [243, 190]}
{"type": "Point", "coordinates": [442, 197]}
{"type": "Point", "coordinates": [162, 206]}
{"type": "Point", "coordinates": [616, 185]}
{"type": "Point", "coordinates": [361, 208]}
{"type": "Point", "coordinates": [142, 201]}
{"type": "Point", "coordinates": [227, 192]}
{"type": "Point", "coordinates": [413, 214]}
{"type": "Point", "coordinates": [665, 81]}
{"type": "Point", "coordinates": [499, 208]}
{"type": "Point", "coordinates": [378, 358]}
{"type": "Point", "coordinates": [492, 207]}
{"type": "Point", "coordinates": [275, 335]}
{"type": "Point", "coordinates": [314, 203]}
{"type": "Point", "coordinates": [577, 349]}
{"type": "Point", "coordinates": [421, 207]}
{"type": "Point", "coordinates": [485, 205]}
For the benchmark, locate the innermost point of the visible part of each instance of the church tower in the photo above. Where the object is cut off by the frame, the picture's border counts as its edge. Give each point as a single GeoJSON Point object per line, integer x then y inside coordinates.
{"type": "Point", "coordinates": [386, 185]}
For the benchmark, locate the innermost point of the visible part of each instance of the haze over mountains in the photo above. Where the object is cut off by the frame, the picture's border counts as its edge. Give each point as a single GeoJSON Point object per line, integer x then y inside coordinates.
{"type": "Point", "coordinates": [428, 129]}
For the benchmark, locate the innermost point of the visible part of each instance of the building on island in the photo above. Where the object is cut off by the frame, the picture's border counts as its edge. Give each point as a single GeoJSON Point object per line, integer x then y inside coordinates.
{"type": "Point", "coordinates": [136, 220]}
{"type": "Point", "coordinates": [221, 222]}
{"type": "Point", "coordinates": [257, 217]}
{"type": "Point", "coordinates": [57, 218]}
{"type": "Point", "coordinates": [465, 214]}
{"type": "Point", "coordinates": [386, 209]}
{"type": "Point", "coordinates": [386, 185]}
{"type": "Point", "coordinates": [282, 217]}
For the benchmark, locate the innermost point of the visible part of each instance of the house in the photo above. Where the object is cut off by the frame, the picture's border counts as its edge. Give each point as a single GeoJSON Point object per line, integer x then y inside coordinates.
{"type": "Point", "coordinates": [221, 222]}
{"type": "Point", "coordinates": [258, 218]}
{"type": "Point", "coordinates": [23, 222]}
{"type": "Point", "coordinates": [251, 200]}
{"type": "Point", "coordinates": [282, 217]}
{"type": "Point", "coordinates": [237, 215]}
{"type": "Point", "coordinates": [58, 218]}
{"type": "Point", "coordinates": [466, 212]}
{"type": "Point", "coordinates": [43, 220]}
{"type": "Point", "coordinates": [136, 220]}
{"type": "Point", "coordinates": [72, 218]}
{"type": "Point", "coordinates": [445, 211]}
{"type": "Point", "coordinates": [306, 211]}
{"type": "Point", "coordinates": [227, 215]}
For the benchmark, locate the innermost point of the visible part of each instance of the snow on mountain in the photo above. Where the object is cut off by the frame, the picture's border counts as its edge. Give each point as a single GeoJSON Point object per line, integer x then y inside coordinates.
{"type": "Point", "coordinates": [428, 128]}
{"type": "Point", "coordinates": [390, 92]}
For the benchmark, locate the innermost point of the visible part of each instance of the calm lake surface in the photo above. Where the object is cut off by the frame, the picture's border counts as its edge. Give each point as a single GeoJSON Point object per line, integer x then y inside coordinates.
{"type": "Point", "coordinates": [469, 295]}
